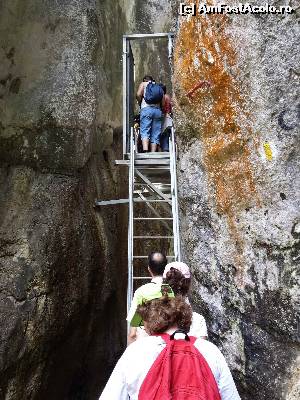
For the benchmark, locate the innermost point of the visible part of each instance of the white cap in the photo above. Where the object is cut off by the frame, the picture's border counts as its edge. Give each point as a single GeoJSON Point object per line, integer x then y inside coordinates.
{"type": "Point", "coordinates": [180, 266]}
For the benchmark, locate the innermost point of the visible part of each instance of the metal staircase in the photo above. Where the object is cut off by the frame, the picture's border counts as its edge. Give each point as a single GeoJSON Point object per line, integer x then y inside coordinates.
{"type": "Point", "coordinates": [153, 189]}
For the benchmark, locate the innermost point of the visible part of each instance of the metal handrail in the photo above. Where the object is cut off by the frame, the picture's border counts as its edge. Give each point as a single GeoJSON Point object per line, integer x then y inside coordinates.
{"type": "Point", "coordinates": [175, 210]}
{"type": "Point", "coordinates": [157, 194]}
{"type": "Point", "coordinates": [130, 222]}
{"type": "Point", "coordinates": [148, 35]}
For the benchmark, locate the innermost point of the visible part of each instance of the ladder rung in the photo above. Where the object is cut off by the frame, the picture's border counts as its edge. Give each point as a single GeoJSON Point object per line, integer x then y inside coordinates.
{"type": "Point", "coordinates": [153, 237]}
{"type": "Point", "coordinates": [147, 192]}
{"type": "Point", "coordinates": [139, 162]}
{"type": "Point", "coordinates": [151, 201]}
{"type": "Point", "coordinates": [159, 167]}
{"type": "Point", "coordinates": [153, 219]}
{"type": "Point", "coordinates": [142, 277]}
{"type": "Point", "coordinates": [153, 183]}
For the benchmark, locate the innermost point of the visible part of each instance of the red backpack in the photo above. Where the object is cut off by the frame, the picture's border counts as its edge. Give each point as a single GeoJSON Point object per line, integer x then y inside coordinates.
{"type": "Point", "coordinates": [180, 372]}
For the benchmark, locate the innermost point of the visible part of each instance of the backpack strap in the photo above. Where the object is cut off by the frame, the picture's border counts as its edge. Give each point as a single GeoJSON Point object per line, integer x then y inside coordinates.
{"type": "Point", "coordinates": [180, 331]}
{"type": "Point", "coordinates": [191, 339]}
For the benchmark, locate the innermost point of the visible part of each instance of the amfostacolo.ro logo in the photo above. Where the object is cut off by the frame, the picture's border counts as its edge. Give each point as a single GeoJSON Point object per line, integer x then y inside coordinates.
{"type": "Point", "coordinates": [222, 8]}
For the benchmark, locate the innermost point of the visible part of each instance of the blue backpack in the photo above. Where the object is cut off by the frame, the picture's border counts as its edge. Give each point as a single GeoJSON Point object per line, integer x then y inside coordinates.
{"type": "Point", "coordinates": [153, 93]}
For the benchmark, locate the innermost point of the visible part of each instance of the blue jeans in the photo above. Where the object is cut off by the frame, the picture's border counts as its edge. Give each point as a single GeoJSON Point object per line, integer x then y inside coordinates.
{"type": "Point", "coordinates": [150, 124]}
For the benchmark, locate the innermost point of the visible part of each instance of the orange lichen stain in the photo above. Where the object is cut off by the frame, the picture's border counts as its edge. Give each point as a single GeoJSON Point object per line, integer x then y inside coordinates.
{"type": "Point", "coordinates": [204, 52]}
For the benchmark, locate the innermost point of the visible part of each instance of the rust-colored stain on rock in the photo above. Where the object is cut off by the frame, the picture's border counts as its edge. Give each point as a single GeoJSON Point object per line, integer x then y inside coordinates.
{"type": "Point", "coordinates": [204, 52]}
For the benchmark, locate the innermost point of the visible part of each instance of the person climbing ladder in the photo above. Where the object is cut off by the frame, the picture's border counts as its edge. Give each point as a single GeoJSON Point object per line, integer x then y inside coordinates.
{"type": "Point", "coordinates": [150, 97]}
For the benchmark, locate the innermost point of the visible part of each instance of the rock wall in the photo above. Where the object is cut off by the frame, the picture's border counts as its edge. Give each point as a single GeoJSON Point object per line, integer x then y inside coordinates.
{"type": "Point", "coordinates": [151, 56]}
{"type": "Point", "coordinates": [238, 138]}
{"type": "Point", "coordinates": [62, 269]}
{"type": "Point", "coordinates": [62, 264]}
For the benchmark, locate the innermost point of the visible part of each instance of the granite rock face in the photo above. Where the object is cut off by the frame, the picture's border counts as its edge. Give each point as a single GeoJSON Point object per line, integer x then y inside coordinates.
{"type": "Point", "coordinates": [60, 285]}
{"type": "Point", "coordinates": [151, 56]}
{"type": "Point", "coordinates": [62, 264]}
{"type": "Point", "coordinates": [239, 189]}
{"type": "Point", "coordinates": [62, 268]}
{"type": "Point", "coordinates": [59, 65]}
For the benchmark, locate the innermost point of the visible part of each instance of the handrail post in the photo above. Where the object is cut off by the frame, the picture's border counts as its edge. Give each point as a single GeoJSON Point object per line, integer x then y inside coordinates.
{"type": "Point", "coordinates": [125, 61]}
{"type": "Point", "coordinates": [170, 47]}
{"type": "Point", "coordinates": [175, 209]}
{"type": "Point", "coordinates": [130, 223]}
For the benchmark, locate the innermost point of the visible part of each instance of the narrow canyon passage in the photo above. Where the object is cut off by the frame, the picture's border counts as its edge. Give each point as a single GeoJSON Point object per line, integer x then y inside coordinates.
{"type": "Point", "coordinates": [63, 264]}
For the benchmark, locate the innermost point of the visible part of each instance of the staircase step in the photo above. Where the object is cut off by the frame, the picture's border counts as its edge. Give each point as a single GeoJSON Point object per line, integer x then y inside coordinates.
{"type": "Point", "coordinates": [153, 161]}
{"type": "Point", "coordinates": [158, 155]}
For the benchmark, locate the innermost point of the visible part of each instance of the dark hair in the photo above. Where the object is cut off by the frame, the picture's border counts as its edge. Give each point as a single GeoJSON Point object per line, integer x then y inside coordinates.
{"type": "Point", "coordinates": [164, 87]}
{"type": "Point", "coordinates": [178, 282]}
{"type": "Point", "coordinates": [147, 78]}
{"type": "Point", "coordinates": [157, 262]}
{"type": "Point", "coordinates": [164, 313]}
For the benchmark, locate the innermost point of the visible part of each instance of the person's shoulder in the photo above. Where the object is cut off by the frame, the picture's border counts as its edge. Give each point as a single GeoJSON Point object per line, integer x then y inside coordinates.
{"type": "Point", "coordinates": [198, 328]}
{"type": "Point", "coordinates": [141, 85]}
{"type": "Point", "coordinates": [197, 316]}
{"type": "Point", "coordinates": [207, 346]}
{"type": "Point", "coordinates": [198, 319]}
{"type": "Point", "coordinates": [141, 288]}
{"type": "Point", "coordinates": [144, 288]}
{"type": "Point", "coordinates": [211, 353]}
{"type": "Point", "coordinates": [144, 343]}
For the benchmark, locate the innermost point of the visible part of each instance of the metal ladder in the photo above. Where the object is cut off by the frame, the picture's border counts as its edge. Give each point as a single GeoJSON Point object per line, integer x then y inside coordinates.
{"type": "Point", "coordinates": [152, 180]}
{"type": "Point", "coordinates": [152, 188]}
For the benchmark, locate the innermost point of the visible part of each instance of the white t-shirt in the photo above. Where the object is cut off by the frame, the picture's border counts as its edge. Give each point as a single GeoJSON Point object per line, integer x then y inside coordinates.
{"type": "Point", "coordinates": [133, 366]}
{"type": "Point", "coordinates": [198, 327]}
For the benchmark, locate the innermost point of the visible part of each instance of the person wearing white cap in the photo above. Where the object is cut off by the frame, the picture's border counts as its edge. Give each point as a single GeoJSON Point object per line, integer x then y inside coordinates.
{"type": "Point", "coordinates": [180, 266]}
{"type": "Point", "coordinates": [178, 276]}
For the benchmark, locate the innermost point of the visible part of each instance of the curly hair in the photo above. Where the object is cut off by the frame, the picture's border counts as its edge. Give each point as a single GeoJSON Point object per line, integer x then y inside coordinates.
{"type": "Point", "coordinates": [178, 282]}
{"type": "Point", "coordinates": [164, 313]}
